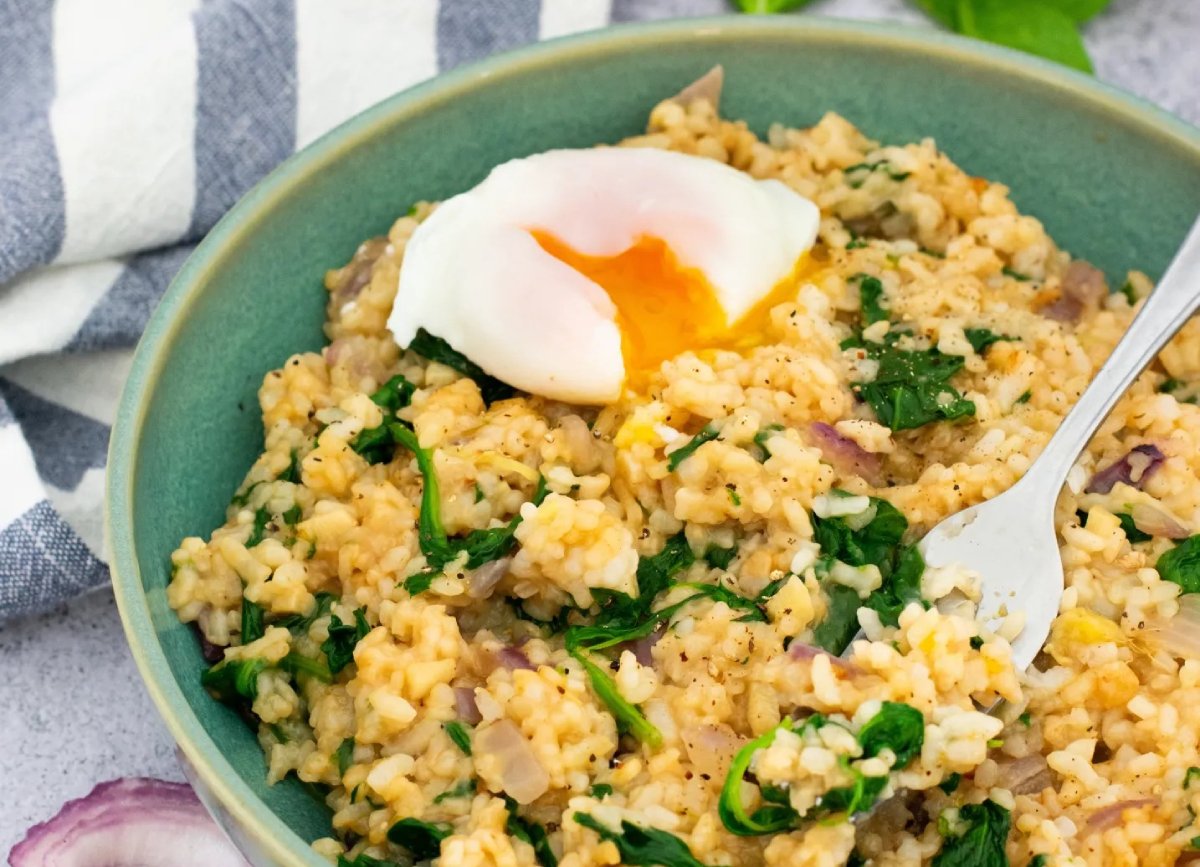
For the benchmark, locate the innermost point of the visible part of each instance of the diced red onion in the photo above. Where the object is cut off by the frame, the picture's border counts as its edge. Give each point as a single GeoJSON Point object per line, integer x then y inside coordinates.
{"type": "Point", "coordinates": [586, 455]}
{"type": "Point", "coordinates": [1153, 520]}
{"type": "Point", "coordinates": [843, 453]}
{"type": "Point", "coordinates": [334, 351]}
{"type": "Point", "coordinates": [520, 774]}
{"type": "Point", "coordinates": [464, 704]}
{"type": "Point", "coordinates": [353, 278]}
{"type": "Point", "coordinates": [1086, 281]}
{"type": "Point", "coordinates": [643, 647]}
{"type": "Point", "coordinates": [1107, 817]}
{"type": "Point", "coordinates": [1138, 465]}
{"type": "Point", "coordinates": [357, 280]}
{"type": "Point", "coordinates": [1083, 287]}
{"type": "Point", "coordinates": [885, 221]}
{"type": "Point", "coordinates": [802, 652]}
{"type": "Point", "coordinates": [1027, 775]}
{"type": "Point", "coordinates": [483, 580]}
{"type": "Point", "coordinates": [354, 282]}
{"type": "Point", "coordinates": [707, 87]}
{"type": "Point", "coordinates": [212, 653]}
{"type": "Point", "coordinates": [129, 823]}
{"type": "Point", "coordinates": [1063, 309]}
{"type": "Point", "coordinates": [1178, 635]}
{"type": "Point", "coordinates": [514, 658]}
{"type": "Point", "coordinates": [711, 749]}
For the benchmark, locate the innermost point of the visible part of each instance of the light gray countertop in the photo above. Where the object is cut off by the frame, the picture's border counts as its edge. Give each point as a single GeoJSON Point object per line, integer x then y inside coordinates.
{"type": "Point", "coordinates": [72, 709]}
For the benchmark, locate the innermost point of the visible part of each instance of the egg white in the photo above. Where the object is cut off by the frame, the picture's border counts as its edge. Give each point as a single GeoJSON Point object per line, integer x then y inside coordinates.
{"type": "Point", "coordinates": [473, 274]}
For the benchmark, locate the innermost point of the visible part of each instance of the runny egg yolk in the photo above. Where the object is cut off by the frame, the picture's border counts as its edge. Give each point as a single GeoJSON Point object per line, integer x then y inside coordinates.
{"type": "Point", "coordinates": [664, 307]}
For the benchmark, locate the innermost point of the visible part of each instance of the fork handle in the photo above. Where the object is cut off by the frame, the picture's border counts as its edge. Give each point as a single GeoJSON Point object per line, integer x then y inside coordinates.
{"type": "Point", "coordinates": [1164, 312]}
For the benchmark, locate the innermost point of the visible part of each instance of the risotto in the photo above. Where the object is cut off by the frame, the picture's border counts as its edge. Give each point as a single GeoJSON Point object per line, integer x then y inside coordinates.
{"type": "Point", "coordinates": [691, 626]}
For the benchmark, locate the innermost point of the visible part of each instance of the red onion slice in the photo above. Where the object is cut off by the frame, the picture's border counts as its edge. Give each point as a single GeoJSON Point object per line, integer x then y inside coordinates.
{"type": "Point", "coordinates": [212, 653]}
{"type": "Point", "coordinates": [464, 703]}
{"type": "Point", "coordinates": [334, 351]}
{"type": "Point", "coordinates": [844, 454]}
{"type": "Point", "coordinates": [1083, 287]}
{"type": "Point", "coordinates": [354, 277]}
{"type": "Point", "coordinates": [1178, 635]}
{"type": "Point", "coordinates": [711, 749]}
{"type": "Point", "coordinates": [517, 769]}
{"type": "Point", "coordinates": [1027, 775]}
{"type": "Point", "coordinates": [513, 658]}
{"type": "Point", "coordinates": [129, 823]}
{"type": "Point", "coordinates": [643, 647]}
{"type": "Point", "coordinates": [707, 87]}
{"type": "Point", "coordinates": [1107, 817]}
{"type": "Point", "coordinates": [885, 221]}
{"type": "Point", "coordinates": [1138, 465]}
{"type": "Point", "coordinates": [802, 652]}
{"type": "Point", "coordinates": [586, 454]}
{"type": "Point", "coordinates": [1156, 522]}
{"type": "Point", "coordinates": [483, 580]}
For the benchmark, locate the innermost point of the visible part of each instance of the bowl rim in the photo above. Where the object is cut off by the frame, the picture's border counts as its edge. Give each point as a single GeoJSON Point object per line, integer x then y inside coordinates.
{"type": "Point", "coordinates": [264, 828]}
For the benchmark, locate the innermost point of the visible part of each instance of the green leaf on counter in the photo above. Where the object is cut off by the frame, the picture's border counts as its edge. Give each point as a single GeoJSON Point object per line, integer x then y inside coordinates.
{"type": "Point", "coordinates": [1033, 26]}
{"type": "Point", "coordinates": [769, 7]}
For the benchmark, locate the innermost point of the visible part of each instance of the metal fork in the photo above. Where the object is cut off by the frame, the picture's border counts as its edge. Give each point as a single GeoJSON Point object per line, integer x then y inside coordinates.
{"type": "Point", "coordinates": [1010, 540]}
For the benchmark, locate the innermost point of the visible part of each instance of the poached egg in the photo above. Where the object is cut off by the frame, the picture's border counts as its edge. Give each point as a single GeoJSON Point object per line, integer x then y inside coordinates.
{"type": "Point", "coordinates": [574, 274]}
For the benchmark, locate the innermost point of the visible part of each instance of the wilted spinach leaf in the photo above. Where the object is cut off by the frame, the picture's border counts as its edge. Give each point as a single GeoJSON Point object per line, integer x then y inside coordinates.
{"type": "Point", "coordinates": [879, 544]}
{"type": "Point", "coordinates": [1181, 565]}
{"type": "Point", "coordinates": [708, 433]}
{"type": "Point", "coordinates": [339, 646]}
{"type": "Point", "coordinates": [912, 386]}
{"type": "Point", "coordinates": [643, 847]}
{"type": "Point", "coordinates": [532, 833]}
{"type": "Point", "coordinates": [870, 290]}
{"type": "Point", "coordinates": [898, 727]}
{"type": "Point", "coordinates": [344, 755]}
{"type": "Point", "coordinates": [253, 618]}
{"type": "Point", "coordinates": [460, 735]}
{"type": "Point", "coordinates": [981, 338]}
{"type": "Point", "coordinates": [423, 840]}
{"type": "Point", "coordinates": [437, 349]}
{"type": "Point", "coordinates": [234, 681]}
{"type": "Point", "coordinates": [981, 844]}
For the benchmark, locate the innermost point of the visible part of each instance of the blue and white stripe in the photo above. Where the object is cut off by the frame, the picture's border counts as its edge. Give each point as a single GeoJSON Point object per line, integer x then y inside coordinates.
{"type": "Point", "coordinates": [127, 128]}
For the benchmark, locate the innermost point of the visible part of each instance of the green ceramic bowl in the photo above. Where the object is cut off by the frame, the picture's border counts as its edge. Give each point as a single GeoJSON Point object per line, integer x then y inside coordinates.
{"type": "Point", "coordinates": [1113, 179]}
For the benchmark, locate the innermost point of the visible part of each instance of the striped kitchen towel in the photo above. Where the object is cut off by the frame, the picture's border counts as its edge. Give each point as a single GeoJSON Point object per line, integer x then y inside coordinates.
{"type": "Point", "coordinates": [128, 127]}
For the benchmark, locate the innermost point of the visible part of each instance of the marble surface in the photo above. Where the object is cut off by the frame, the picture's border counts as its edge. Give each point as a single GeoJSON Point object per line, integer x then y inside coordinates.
{"type": "Point", "coordinates": [73, 713]}
{"type": "Point", "coordinates": [72, 709]}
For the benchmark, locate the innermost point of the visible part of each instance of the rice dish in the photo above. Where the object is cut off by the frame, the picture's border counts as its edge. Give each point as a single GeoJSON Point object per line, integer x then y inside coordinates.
{"type": "Point", "coordinates": [497, 629]}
